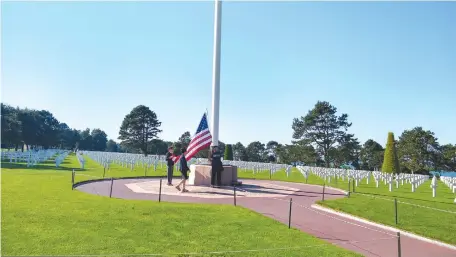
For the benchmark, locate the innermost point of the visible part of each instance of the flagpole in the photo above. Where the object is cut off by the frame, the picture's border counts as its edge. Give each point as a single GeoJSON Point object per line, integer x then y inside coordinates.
{"type": "Point", "coordinates": [216, 74]}
{"type": "Point", "coordinates": [207, 118]}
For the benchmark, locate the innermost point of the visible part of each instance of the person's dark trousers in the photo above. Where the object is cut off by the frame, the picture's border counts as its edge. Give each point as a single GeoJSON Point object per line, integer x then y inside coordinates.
{"type": "Point", "coordinates": [219, 178]}
{"type": "Point", "coordinates": [170, 174]}
{"type": "Point", "coordinates": [216, 178]}
{"type": "Point", "coordinates": [213, 174]}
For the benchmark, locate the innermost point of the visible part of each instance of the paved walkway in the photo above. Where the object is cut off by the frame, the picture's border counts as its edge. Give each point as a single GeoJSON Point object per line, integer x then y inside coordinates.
{"type": "Point", "coordinates": [272, 198]}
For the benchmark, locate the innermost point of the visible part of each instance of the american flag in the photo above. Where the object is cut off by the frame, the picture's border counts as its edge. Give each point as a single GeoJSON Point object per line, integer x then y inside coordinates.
{"type": "Point", "coordinates": [201, 140]}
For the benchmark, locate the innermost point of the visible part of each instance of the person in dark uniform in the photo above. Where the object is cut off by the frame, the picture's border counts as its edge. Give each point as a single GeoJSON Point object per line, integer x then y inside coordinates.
{"type": "Point", "coordinates": [170, 164]}
{"type": "Point", "coordinates": [183, 168]}
{"type": "Point", "coordinates": [217, 167]}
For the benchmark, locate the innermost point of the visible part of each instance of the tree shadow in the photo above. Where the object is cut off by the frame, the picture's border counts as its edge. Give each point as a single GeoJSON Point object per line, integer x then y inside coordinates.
{"type": "Point", "coordinates": [260, 189]}
{"type": "Point", "coordinates": [40, 166]}
{"type": "Point", "coordinates": [212, 193]}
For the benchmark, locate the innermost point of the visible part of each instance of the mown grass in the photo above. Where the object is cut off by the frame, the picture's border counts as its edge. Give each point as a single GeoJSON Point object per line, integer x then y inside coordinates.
{"type": "Point", "coordinates": [41, 215]}
{"type": "Point", "coordinates": [418, 212]}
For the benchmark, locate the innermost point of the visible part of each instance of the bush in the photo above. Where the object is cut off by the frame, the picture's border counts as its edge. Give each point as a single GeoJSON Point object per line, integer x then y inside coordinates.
{"type": "Point", "coordinates": [228, 153]}
{"type": "Point", "coordinates": [390, 159]}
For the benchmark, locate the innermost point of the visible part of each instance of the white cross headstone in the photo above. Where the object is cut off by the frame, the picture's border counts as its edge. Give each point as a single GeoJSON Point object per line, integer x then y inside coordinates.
{"type": "Point", "coordinates": [434, 185]}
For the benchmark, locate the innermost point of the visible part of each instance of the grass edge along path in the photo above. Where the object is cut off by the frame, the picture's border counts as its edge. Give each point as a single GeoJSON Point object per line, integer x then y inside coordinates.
{"type": "Point", "coordinates": [41, 215]}
{"type": "Point", "coordinates": [418, 212]}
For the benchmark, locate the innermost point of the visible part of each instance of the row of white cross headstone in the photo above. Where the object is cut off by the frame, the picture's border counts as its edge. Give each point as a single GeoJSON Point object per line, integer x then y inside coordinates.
{"type": "Point", "coordinates": [129, 160]}
{"type": "Point", "coordinates": [257, 167]}
{"type": "Point", "coordinates": [358, 175]}
{"type": "Point", "coordinates": [334, 173]}
{"type": "Point", "coordinates": [126, 160]}
{"type": "Point", "coordinates": [60, 157]}
{"type": "Point", "coordinates": [415, 180]}
{"type": "Point", "coordinates": [81, 159]}
{"type": "Point", "coordinates": [31, 157]}
{"type": "Point", "coordinates": [450, 182]}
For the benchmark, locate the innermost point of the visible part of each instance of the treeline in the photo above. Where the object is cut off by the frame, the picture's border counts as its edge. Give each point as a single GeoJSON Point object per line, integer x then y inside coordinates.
{"type": "Point", "coordinates": [320, 138]}
{"type": "Point", "coordinates": [412, 154]}
{"type": "Point", "coordinates": [36, 129]}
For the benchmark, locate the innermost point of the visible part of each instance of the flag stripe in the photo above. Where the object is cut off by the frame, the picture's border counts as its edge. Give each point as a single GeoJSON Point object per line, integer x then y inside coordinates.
{"type": "Point", "coordinates": [198, 139]}
{"type": "Point", "coordinates": [197, 134]}
{"type": "Point", "coordinates": [198, 148]}
{"type": "Point", "coordinates": [202, 139]}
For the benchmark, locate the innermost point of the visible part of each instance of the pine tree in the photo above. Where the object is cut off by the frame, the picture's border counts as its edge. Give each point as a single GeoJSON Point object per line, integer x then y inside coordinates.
{"type": "Point", "coordinates": [390, 160]}
{"type": "Point", "coordinates": [228, 153]}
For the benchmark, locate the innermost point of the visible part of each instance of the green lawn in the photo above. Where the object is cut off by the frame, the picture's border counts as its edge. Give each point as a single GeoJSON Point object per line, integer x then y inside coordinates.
{"type": "Point", "coordinates": [41, 215]}
{"type": "Point", "coordinates": [377, 204]}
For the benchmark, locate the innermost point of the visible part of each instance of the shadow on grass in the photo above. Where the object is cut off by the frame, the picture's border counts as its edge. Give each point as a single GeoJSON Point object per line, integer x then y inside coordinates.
{"type": "Point", "coordinates": [298, 182]}
{"type": "Point", "coordinates": [41, 166]}
{"type": "Point", "coordinates": [403, 197]}
{"type": "Point", "coordinates": [260, 189]}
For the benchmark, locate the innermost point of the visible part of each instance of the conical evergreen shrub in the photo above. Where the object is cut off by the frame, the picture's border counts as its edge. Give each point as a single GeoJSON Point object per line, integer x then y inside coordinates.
{"type": "Point", "coordinates": [390, 159]}
{"type": "Point", "coordinates": [228, 153]}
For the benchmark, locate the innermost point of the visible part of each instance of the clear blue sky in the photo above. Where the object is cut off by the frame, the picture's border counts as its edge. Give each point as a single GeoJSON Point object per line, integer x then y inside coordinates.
{"type": "Point", "coordinates": [390, 66]}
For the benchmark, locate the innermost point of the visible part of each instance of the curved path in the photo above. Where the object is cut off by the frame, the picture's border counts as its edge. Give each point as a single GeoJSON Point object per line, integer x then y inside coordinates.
{"type": "Point", "coordinates": [272, 199]}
